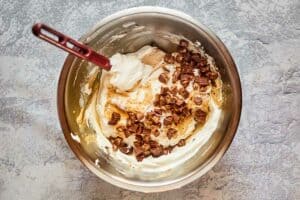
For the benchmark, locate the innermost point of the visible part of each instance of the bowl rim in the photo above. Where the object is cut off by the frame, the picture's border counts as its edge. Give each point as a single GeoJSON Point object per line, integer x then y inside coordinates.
{"type": "Point", "coordinates": [181, 181]}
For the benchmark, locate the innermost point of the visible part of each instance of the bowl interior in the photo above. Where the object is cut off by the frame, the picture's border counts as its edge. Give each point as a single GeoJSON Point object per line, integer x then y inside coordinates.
{"type": "Point", "coordinates": [127, 32]}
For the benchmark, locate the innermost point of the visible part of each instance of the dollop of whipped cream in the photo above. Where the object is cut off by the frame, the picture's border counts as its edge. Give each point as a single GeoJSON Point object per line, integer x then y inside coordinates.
{"type": "Point", "coordinates": [128, 69]}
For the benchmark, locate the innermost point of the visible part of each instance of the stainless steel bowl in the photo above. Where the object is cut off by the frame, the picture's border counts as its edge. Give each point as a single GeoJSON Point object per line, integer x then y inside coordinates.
{"type": "Point", "coordinates": [140, 26]}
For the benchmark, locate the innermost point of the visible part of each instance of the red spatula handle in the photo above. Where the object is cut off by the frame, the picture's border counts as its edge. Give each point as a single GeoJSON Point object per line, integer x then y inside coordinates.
{"type": "Point", "coordinates": [70, 45]}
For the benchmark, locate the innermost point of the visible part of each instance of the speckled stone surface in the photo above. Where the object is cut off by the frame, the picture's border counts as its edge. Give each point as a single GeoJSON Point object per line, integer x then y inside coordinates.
{"type": "Point", "coordinates": [264, 159]}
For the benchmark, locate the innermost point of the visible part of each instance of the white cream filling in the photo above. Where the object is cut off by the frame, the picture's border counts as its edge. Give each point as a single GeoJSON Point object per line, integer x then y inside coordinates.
{"type": "Point", "coordinates": [150, 164]}
{"type": "Point", "coordinates": [127, 70]}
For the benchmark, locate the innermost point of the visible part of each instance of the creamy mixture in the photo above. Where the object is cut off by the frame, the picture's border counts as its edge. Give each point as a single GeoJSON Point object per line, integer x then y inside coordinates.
{"type": "Point", "coordinates": [153, 111]}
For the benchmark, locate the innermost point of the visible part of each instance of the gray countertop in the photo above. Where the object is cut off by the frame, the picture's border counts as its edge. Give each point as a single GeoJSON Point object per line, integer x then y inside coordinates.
{"type": "Point", "coordinates": [263, 161]}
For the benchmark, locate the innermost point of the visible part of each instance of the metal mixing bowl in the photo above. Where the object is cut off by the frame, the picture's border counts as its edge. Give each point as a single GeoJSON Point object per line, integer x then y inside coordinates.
{"type": "Point", "coordinates": [136, 27]}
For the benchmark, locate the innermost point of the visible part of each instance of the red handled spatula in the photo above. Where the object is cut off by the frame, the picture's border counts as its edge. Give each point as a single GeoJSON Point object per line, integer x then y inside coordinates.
{"type": "Point", "coordinates": [70, 45]}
